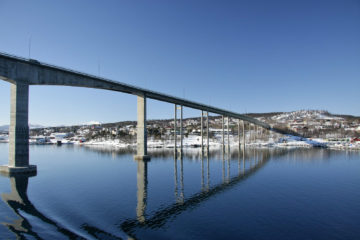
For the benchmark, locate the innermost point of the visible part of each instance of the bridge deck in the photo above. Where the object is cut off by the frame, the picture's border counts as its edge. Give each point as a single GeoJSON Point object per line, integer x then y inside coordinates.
{"type": "Point", "coordinates": [33, 72]}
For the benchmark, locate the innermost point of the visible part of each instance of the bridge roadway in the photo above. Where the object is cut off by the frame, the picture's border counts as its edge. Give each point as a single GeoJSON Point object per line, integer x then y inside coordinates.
{"type": "Point", "coordinates": [36, 73]}
{"type": "Point", "coordinates": [22, 73]}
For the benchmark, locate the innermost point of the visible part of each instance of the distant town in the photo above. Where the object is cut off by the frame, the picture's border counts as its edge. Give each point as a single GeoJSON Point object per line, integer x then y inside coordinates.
{"type": "Point", "coordinates": [310, 128]}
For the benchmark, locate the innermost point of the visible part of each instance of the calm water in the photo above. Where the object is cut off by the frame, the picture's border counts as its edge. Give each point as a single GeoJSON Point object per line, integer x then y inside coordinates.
{"type": "Point", "coordinates": [87, 193]}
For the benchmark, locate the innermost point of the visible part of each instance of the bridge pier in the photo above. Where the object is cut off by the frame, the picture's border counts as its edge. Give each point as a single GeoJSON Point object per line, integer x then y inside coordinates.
{"type": "Point", "coordinates": [207, 133]}
{"type": "Point", "coordinates": [181, 131]}
{"type": "Point", "coordinates": [19, 131]}
{"type": "Point", "coordinates": [223, 135]}
{"type": "Point", "coordinates": [228, 135]}
{"type": "Point", "coordinates": [243, 128]}
{"type": "Point", "coordinates": [175, 133]}
{"type": "Point", "coordinates": [250, 134]}
{"type": "Point", "coordinates": [254, 135]}
{"type": "Point", "coordinates": [239, 136]}
{"type": "Point", "coordinates": [141, 129]}
{"type": "Point", "coordinates": [202, 132]}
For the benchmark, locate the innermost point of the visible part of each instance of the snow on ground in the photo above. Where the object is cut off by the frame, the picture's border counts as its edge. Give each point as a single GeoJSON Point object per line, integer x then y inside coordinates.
{"type": "Point", "coordinates": [4, 138]}
{"type": "Point", "coordinates": [91, 123]}
{"type": "Point", "coordinates": [193, 141]}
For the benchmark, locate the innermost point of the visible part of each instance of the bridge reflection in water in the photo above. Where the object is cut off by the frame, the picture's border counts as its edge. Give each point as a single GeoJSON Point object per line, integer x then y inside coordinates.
{"type": "Point", "coordinates": [158, 218]}
{"type": "Point", "coordinates": [249, 162]}
{"type": "Point", "coordinates": [26, 212]}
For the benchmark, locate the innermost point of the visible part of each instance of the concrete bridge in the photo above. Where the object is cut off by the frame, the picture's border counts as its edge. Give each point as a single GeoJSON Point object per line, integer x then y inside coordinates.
{"type": "Point", "coordinates": [22, 73]}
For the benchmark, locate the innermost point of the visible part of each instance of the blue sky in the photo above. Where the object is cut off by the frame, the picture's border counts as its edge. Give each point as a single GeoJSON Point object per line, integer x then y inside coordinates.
{"type": "Point", "coordinates": [246, 56]}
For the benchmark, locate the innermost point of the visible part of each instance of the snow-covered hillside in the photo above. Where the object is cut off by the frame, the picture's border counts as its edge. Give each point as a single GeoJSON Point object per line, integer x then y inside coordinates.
{"type": "Point", "coordinates": [305, 114]}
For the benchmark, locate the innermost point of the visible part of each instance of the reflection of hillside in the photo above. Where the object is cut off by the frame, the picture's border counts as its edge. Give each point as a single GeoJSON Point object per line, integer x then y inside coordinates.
{"type": "Point", "coordinates": [311, 154]}
{"type": "Point", "coordinates": [296, 154]}
{"type": "Point", "coordinates": [109, 150]}
{"type": "Point", "coordinates": [159, 153]}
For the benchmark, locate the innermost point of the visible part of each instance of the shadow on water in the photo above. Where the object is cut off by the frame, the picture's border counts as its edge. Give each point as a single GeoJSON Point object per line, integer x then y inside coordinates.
{"type": "Point", "coordinates": [249, 162]}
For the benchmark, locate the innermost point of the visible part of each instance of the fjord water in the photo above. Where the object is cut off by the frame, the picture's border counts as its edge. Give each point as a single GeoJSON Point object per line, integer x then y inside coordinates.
{"type": "Point", "coordinates": [99, 193]}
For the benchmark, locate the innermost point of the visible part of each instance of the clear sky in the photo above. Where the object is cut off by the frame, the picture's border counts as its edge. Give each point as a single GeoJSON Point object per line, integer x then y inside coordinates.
{"type": "Point", "coordinates": [246, 56]}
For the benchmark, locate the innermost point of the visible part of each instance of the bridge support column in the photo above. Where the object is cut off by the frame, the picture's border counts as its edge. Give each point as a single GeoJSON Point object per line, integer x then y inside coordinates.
{"type": "Point", "coordinates": [141, 130]}
{"type": "Point", "coordinates": [243, 128]}
{"type": "Point", "coordinates": [202, 132]}
{"type": "Point", "coordinates": [239, 136]}
{"type": "Point", "coordinates": [254, 133]}
{"type": "Point", "coordinates": [250, 134]}
{"type": "Point", "coordinates": [223, 135]}
{"type": "Point", "coordinates": [181, 130]}
{"type": "Point", "coordinates": [175, 133]}
{"type": "Point", "coordinates": [257, 133]}
{"type": "Point", "coordinates": [19, 131]}
{"type": "Point", "coordinates": [207, 133]}
{"type": "Point", "coordinates": [228, 135]}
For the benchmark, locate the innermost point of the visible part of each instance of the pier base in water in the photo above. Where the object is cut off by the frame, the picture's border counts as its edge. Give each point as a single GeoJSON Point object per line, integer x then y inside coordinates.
{"type": "Point", "coordinates": [24, 169]}
{"type": "Point", "coordinates": [142, 157]}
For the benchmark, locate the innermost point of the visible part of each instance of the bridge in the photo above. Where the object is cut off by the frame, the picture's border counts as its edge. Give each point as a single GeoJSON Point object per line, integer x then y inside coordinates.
{"type": "Point", "coordinates": [22, 73]}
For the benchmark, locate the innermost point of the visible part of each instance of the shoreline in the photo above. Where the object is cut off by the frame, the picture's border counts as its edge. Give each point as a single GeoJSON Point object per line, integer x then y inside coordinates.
{"type": "Point", "coordinates": [191, 144]}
